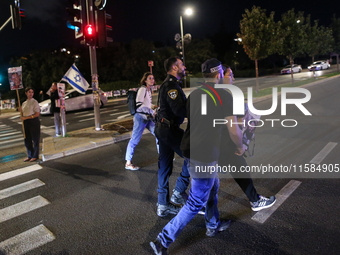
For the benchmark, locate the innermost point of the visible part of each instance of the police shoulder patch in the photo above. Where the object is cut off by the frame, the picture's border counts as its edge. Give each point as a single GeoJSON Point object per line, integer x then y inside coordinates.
{"type": "Point", "coordinates": [173, 93]}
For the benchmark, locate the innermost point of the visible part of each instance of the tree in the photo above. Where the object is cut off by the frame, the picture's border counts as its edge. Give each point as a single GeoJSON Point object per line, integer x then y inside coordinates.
{"type": "Point", "coordinates": [294, 40]}
{"type": "Point", "coordinates": [320, 40]}
{"type": "Point", "coordinates": [336, 35]}
{"type": "Point", "coordinates": [258, 35]}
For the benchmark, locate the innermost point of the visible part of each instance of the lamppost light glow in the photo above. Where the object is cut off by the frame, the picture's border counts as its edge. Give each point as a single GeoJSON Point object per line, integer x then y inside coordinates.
{"type": "Point", "coordinates": [188, 11]}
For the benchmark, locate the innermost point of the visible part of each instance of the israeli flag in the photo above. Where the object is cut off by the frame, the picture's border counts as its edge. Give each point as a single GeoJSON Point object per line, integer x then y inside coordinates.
{"type": "Point", "coordinates": [76, 80]}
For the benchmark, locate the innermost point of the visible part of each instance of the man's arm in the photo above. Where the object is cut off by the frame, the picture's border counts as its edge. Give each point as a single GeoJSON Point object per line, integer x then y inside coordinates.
{"type": "Point", "coordinates": [235, 134]}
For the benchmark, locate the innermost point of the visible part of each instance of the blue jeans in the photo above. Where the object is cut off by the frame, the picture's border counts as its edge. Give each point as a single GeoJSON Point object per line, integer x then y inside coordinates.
{"type": "Point", "coordinates": [169, 142]}
{"type": "Point", "coordinates": [57, 123]}
{"type": "Point", "coordinates": [203, 192]}
{"type": "Point", "coordinates": [139, 124]}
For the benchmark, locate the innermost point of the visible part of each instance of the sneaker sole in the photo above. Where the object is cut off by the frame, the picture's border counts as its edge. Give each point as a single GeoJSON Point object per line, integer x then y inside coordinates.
{"type": "Point", "coordinates": [263, 207]}
{"type": "Point", "coordinates": [153, 246]}
{"type": "Point", "coordinates": [127, 168]}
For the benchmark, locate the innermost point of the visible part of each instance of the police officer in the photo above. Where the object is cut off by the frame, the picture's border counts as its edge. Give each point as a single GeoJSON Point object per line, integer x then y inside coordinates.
{"type": "Point", "coordinates": [171, 113]}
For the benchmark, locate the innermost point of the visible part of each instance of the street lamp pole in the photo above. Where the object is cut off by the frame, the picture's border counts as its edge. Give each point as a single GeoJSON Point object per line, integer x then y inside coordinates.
{"type": "Point", "coordinates": [182, 38]}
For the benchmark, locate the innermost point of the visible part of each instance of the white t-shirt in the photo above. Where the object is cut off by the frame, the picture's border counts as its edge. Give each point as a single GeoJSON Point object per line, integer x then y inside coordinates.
{"type": "Point", "coordinates": [30, 107]}
{"type": "Point", "coordinates": [143, 100]}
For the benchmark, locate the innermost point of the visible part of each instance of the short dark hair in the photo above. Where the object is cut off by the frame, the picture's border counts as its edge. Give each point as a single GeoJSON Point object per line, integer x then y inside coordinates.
{"type": "Point", "coordinates": [210, 75]}
{"type": "Point", "coordinates": [28, 88]}
{"type": "Point", "coordinates": [145, 76]}
{"type": "Point", "coordinates": [169, 63]}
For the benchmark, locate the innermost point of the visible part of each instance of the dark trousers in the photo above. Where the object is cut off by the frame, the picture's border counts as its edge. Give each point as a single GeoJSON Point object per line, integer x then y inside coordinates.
{"type": "Point", "coordinates": [32, 132]}
{"type": "Point", "coordinates": [169, 141]}
{"type": "Point", "coordinates": [228, 157]}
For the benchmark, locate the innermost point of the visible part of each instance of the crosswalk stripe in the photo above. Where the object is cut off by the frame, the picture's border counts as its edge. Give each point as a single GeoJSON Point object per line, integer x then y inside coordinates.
{"type": "Point", "coordinates": [27, 241]}
{"type": "Point", "coordinates": [13, 140]}
{"type": "Point", "coordinates": [119, 113]}
{"type": "Point", "coordinates": [123, 116]}
{"type": "Point", "coordinates": [323, 153]}
{"type": "Point", "coordinates": [23, 207]}
{"type": "Point", "coordinates": [86, 119]}
{"type": "Point", "coordinates": [19, 172]}
{"type": "Point", "coordinates": [16, 132]}
{"type": "Point", "coordinates": [20, 188]}
{"type": "Point", "coordinates": [281, 196]}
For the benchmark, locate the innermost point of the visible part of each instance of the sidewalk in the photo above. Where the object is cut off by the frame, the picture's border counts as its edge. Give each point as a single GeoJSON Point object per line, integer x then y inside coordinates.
{"type": "Point", "coordinates": [86, 139]}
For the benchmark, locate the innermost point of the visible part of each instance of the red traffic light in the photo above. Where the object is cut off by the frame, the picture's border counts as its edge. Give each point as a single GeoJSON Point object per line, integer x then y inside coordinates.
{"type": "Point", "coordinates": [89, 30]}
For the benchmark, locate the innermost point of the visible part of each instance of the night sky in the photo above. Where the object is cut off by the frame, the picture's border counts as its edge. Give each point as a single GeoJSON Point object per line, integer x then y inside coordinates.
{"type": "Point", "coordinates": [45, 22]}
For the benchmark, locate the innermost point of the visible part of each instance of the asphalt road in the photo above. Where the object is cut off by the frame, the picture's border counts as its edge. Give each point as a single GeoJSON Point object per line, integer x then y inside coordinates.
{"type": "Point", "coordinates": [95, 206]}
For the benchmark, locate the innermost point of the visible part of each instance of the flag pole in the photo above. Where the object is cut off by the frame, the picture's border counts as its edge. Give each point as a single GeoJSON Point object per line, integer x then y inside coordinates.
{"type": "Point", "coordinates": [22, 122]}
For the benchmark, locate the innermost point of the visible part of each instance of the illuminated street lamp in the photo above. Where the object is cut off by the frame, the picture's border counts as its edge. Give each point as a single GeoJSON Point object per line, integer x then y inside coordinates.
{"type": "Point", "coordinates": [188, 12]}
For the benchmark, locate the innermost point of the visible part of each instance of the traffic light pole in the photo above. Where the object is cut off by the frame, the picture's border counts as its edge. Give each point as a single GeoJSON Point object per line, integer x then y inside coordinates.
{"type": "Point", "coordinates": [94, 71]}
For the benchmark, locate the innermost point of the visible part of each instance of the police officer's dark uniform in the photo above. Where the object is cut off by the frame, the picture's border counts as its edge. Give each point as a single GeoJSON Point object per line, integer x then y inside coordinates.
{"type": "Point", "coordinates": [172, 111]}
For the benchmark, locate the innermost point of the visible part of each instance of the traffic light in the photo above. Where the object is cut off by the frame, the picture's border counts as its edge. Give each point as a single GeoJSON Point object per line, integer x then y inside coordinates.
{"type": "Point", "coordinates": [100, 18]}
{"type": "Point", "coordinates": [90, 35]}
{"type": "Point", "coordinates": [16, 14]}
{"type": "Point", "coordinates": [78, 11]}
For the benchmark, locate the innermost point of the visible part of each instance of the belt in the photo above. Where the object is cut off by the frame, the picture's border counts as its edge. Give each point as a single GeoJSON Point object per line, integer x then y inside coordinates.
{"type": "Point", "coordinates": [167, 123]}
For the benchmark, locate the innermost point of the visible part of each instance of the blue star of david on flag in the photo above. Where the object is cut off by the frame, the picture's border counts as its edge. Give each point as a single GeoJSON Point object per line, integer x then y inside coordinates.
{"type": "Point", "coordinates": [76, 80]}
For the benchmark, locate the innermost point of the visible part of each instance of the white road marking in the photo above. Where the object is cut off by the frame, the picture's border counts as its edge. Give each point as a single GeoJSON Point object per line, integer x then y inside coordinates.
{"type": "Point", "coordinates": [7, 134]}
{"type": "Point", "coordinates": [14, 117]}
{"type": "Point", "coordinates": [77, 113]}
{"type": "Point", "coordinates": [89, 114]}
{"type": "Point", "coordinates": [112, 114]}
{"type": "Point", "coordinates": [123, 116]}
{"type": "Point", "coordinates": [13, 140]}
{"type": "Point", "coordinates": [114, 110]}
{"type": "Point", "coordinates": [86, 119]}
{"type": "Point", "coordinates": [283, 194]}
{"type": "Point", "coordinates": [19, 172]}
{"type": "Point", "coordinates": [20, 188]}
{"type": "Point", "coordinates": [23, 207]}
{"type": "Point", "coordinates": [323, 153]}
{"type": "Point", "coordinates": [27, 241]}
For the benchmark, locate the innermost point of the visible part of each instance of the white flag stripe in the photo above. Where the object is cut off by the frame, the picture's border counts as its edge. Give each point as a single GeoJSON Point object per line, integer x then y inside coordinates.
{"type": "Point", "coordinates": [21, 208]}
{"type": "Point", "coordinates": [27, 241]}
{"type": "Point", "coordinates": [18, 172]}
{"type": "Point", "coordinates": [20, 188]}
{"type": "Point", "coordinates": [7, 134]}
{"type": "Point", "coordinates": [76, 80]}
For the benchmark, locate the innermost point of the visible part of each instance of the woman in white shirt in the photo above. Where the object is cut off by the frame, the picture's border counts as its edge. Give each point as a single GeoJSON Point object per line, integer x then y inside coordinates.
{"type": "Point", "coordinates": [30, 112]}
{"type": "Point", "coordinates": [142, 119]}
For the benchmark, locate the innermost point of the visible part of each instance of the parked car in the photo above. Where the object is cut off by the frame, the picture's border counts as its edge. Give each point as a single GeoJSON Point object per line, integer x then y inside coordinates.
{"type": "Point", "coordinates": [296, 69]}
{"type": "Point", "coordinates": [319, 65]}
{"type": "Point", "coordinates": [74, 101]}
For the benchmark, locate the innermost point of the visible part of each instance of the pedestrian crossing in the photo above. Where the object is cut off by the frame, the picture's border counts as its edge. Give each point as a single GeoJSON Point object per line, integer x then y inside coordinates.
{"type": "Point", "coordinates": [30, 239]}
{"type": "Point", "coordinates": [9, 136]}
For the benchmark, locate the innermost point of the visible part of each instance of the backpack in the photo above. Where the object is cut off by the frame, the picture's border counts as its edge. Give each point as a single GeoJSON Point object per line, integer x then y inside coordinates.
{"type": "Point", "coordinates": [131, 101]}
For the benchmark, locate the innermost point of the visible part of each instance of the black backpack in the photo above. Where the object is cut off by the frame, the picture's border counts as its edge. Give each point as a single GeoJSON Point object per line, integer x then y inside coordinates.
{"type": "Point", "coordinates": [131, 101]}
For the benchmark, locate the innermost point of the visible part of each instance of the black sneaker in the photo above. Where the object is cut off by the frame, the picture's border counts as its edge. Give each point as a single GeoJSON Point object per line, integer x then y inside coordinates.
{"type": "Point", "coordinates": [223, 226]}
{"type": "Point", "coordinates": [179, 198]}
{"type": "Point", "coordinates": [158, 248]}
{"type": "Point", "coordinates": [263, 203]}
{"type": "Point", "coordinates": [164, 210]}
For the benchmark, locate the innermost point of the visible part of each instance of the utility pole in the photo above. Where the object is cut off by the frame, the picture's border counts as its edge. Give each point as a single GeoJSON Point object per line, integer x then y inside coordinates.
{"type": "Point", "coordinates": [94, 71]}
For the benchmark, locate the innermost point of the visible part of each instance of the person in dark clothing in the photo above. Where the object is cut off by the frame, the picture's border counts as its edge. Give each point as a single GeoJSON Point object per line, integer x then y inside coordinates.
{"type": "Point", "coordinates": [200, 146]}
{"type": "Point", "coordinates": [30, 112]}
{"type": "Point", "coordinates": [171, 113]}
{"type": "Point", "coordinates": [55, 110]}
